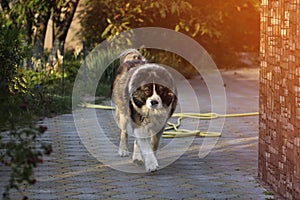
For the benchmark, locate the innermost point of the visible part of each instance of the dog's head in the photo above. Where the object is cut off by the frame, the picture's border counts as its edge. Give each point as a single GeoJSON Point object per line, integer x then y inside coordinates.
{"type": "Point", "coordinates": [152, 88]}
{"type": "Point", "coordinates": [153, 96]}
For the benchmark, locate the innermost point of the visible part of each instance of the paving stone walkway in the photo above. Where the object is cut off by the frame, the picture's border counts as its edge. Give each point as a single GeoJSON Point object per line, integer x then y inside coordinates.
{"type": "Point", "coordinates": [229, 171]}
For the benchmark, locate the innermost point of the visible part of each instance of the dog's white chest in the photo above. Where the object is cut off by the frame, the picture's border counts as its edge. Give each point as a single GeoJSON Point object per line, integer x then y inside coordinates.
{"type": "Point", "coordinates": [157, 121]}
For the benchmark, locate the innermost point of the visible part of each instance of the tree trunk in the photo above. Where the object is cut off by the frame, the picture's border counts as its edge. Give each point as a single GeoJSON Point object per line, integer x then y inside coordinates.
{"type": "Point", "coordinates": [4, 4]}
{"type": "Point", "coordinates": [55, 59]}
{"type": "Point", "coordinates": [62, 19]}
{"type": "Point", "coordinates": [38, 38]}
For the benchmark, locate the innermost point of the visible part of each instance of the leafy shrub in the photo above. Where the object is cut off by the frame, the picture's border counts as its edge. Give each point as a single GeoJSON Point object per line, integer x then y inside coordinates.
{"type": "Point", "coordinates": [20, 147]}
{"type": "Point", "coordinates": [172, 60]}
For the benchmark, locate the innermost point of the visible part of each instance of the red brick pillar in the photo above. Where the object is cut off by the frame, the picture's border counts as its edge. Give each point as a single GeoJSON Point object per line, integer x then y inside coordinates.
{"type": "Point", "coordinates": [279, 128]}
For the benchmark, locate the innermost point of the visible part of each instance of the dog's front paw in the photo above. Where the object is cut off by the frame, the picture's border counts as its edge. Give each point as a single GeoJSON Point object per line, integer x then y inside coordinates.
{"type": "Point", "coordinates": [151, 163]}
{"type": "Point", "coordinates": [123, 152]}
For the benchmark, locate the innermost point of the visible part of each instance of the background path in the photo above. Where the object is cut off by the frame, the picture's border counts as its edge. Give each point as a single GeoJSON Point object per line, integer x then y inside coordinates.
{"type": "Point", "coordinates": [228, 172]}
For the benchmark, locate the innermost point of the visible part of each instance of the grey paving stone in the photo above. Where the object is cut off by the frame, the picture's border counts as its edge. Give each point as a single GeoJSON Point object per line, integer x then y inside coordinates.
{"type": "Point", "coordinates": [227, 172]}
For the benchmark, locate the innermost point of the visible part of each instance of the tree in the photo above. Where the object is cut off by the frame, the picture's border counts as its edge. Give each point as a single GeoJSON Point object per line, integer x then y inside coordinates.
{"type": "Point", "coordinates": [33, 16]}
{"type": "Point", "coordinates": [103, 19]}
{"type": "Point", "coordinates": [222, 27]}
{"type": "Point", "coordinates": [24, 15]}
{"type": "Point", "coordinates": [63, 13]}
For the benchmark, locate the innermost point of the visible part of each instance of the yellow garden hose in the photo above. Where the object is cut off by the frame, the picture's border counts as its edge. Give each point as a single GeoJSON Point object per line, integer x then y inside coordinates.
{"type": "Point", "coordinates": [175, 127]}
{"type": "Point", "coordinates": [89, 105]}
{"type": "Point", "coordinates": [202, 116]}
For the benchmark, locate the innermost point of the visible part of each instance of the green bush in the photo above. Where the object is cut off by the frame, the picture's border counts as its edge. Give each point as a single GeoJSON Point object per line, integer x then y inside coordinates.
{"type": "Point", "coordinates": [223, 28]}
{"type": "Point", "coordinates": [172, 60]}
{"type": "Point", "coordinates": [20, 146]}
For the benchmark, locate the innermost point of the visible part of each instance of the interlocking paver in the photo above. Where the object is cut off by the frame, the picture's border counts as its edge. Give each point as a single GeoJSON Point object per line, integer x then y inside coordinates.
{"type": "Point", "coordinates": [228, 172]}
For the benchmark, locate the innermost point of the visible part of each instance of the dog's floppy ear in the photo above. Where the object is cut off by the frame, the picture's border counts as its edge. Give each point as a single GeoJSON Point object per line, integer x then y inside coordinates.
{"type": "Point", "coordinates": [137, 102]}
{"type": "Point", "coordinates": [174, 103]}
{"type": "Point", "coordinates": [135, 116]}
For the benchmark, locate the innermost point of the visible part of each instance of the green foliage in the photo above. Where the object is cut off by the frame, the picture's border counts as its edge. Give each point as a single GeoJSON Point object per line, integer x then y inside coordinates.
{"type": "Point", "coordinates": [20, 147]}
{"type": "Point", "coordinates": [32, 17]}
{"type": "Point", "coordinates": [172, 60]}
{"type": "Point", "coordinates": [239, 31]}
{"type": "Point", "coordinates": [223, 28]}
{"type": "Point", "coordinates": [11, 54]}
{"type": "Point", "coordinates": [10, 57]}
{"type": "Point", "coordinates": [43, 92]}
{"type": "Point", "coordinates": [72, 64]}
{"type": "Point", "coordinates": [104, 19]}
{"type": "Point", "coordinates": [23, 153]}
{"type": "Point", "coordinates": [103, 90]}
{"type": "Point", "coordinates": [163, 57]}
{"type": "Point", "coordinates": [27, 96]}
{"type": "Point", "coordinates": [23, 12]}
{"type": "Point", "coordinates": [92, 72]}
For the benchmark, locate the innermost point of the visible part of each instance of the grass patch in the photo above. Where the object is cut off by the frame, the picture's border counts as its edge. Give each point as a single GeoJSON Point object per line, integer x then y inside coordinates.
{"type": "Point", "coordinates": [61, 105]}
{"type": "Point", "coordinates": [103, 90]}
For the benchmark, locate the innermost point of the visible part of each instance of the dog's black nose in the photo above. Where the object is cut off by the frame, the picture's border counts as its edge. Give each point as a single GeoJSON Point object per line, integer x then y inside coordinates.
{"type": "Point", "coordinates": [154, 102]}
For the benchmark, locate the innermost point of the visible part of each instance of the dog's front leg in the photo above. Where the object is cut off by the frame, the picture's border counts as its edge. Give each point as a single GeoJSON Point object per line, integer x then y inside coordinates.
{"type": "Point", "coordinates": [155, 137]}
{"type": "Point", "coordinates": [143, 142]}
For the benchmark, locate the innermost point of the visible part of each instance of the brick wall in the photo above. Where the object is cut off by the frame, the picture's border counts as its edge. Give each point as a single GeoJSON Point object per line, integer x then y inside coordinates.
{"type": "Point", "coordinates": [279, 129]}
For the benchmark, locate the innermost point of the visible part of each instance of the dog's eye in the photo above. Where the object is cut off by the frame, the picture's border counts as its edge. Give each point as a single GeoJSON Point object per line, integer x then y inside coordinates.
{"type": "Point", "coordinates": [137, 57]}
{"type": "Point", "coordinates": [171, 94]}
{"type": "Point", "coordinates": [147, 90]}
{"type": "Point", "coordinates": [160, 89]}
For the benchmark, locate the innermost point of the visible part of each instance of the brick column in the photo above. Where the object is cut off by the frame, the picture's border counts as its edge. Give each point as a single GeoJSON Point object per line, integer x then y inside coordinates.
{"type": "Point", "coordinates": [279, 128]}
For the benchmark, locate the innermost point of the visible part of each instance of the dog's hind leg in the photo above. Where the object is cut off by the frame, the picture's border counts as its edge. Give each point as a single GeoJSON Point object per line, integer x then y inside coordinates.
{"type": "Point", "coordinates": [122, 123]}
{"type": "Point", "coordinates": [123, 150]}
{"type": "Point", "coordinates": [137, 156]}
{"type": "Point", "coordinates": [155, 140]}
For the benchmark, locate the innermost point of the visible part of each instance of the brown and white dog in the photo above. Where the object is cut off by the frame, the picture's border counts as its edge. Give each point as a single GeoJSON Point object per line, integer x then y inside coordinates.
{"type": "Point", "coordinates": [145, 97]}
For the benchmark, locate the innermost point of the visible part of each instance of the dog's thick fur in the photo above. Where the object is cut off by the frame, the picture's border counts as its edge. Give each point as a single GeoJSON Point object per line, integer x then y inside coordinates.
{"type": "Point", "coordinates": [145, 97]}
